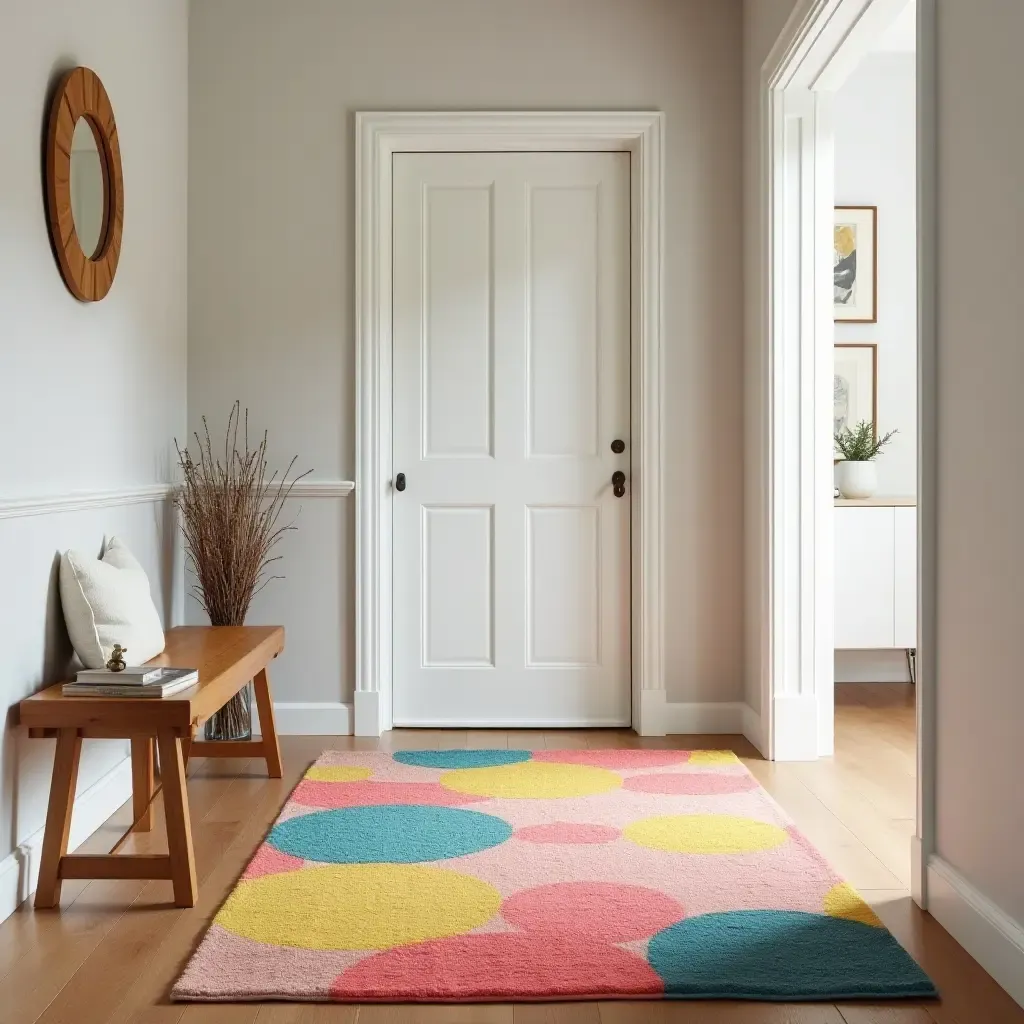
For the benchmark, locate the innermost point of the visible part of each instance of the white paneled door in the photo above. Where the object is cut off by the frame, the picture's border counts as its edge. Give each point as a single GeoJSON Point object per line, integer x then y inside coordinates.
{"type": "Point", "coordinates": [511, 553]}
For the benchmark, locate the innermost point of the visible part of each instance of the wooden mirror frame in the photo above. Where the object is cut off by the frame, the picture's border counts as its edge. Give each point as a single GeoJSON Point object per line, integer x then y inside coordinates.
{"type": "Point", "coordinates": [80, 93]}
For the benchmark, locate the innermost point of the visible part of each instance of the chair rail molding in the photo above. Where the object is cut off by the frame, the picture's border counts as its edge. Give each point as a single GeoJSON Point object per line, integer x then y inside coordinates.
{"type": "Point", "coordinates": [77, 501]}
{"type": "Point", "coordinates": [378, 137]}
{"type": "Point", "coordinates": [322, 489]}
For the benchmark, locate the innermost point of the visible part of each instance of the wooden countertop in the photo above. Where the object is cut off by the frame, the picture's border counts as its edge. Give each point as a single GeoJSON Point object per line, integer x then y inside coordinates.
{"type": "Point", "coordinates": [878, 501]}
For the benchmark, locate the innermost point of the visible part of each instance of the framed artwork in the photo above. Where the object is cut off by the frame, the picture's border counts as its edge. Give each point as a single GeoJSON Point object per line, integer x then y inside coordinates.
{"type": "Point", "coordinates": [855, 387]}
{"type": "Point", "coordinates": [855, 265]}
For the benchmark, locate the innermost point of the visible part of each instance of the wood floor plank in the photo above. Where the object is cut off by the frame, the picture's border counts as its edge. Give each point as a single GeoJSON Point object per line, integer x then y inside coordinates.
{"type": "Point", "coordinates": [525, 739]}
{"type": "Point", "coordinates": [220, 1013]}
{"type": "Point", "coordinates": [566, 739]}
{"type": "Point", "coordinates": [885, 1013]}
{"type": "Point", "coordinates": [714, 1012]}
{"type": "Point", "coordinates": [556, 1013]}
{"type": "Point", "coordinates": [486, 739]}
{"type": "Point", "coordinates": [447, 1013]}
{"type": "Point", "coordinates": [307, 1013]}
{"type": "Point", "coordinates": [843, 850]}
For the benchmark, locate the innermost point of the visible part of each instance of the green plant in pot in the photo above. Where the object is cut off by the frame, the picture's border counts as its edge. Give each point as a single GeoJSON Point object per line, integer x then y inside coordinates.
{"type": "Point", "coordinates": [230, 507]}
{"type": "Point", "coordinates": [858, 447]}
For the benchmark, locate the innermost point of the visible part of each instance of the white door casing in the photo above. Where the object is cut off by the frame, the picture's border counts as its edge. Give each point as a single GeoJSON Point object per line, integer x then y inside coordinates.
{"type": "Point", "coordinates": [821, 43]}
{"type": "Point", "coordinates": [510, 382]}
{"type": "Point", "coordinates": [379, 136]}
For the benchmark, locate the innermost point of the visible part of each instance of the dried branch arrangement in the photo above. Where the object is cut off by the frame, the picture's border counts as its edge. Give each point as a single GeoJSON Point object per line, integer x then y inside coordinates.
{"type": "Point", "coordinates": [230, 511]}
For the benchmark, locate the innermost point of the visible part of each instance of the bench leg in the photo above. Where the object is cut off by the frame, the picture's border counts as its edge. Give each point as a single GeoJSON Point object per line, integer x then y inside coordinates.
{"type": "Point", "coordinates": [142, 782]}
{"type": "Point", "coordinates": [265, 705]}
{"type": "Point", "coordinates": [179, 827]}
{"type": "Point", "coordinates": [58, 816]}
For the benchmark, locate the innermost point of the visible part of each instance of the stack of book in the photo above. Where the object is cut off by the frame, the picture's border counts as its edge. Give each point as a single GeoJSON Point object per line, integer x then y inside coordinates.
{"type": "Point", "coordinates": [135, 681]}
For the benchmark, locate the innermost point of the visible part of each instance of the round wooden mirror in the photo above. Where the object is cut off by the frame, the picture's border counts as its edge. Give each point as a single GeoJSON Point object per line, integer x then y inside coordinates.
{"type": "Point", "coordinates": [84, 185]}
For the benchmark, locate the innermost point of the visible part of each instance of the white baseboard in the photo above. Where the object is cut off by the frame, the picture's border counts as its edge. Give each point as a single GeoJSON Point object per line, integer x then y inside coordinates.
{"type": "Point", "coordinates": [753, 729]}
{"type": "Point", "coordinates": [301, 718]}
{"type": "Point", "coordinates": [993, 938]}
{"type": "Point", "coordinates": [717, 717]}
{"type": "Point", "coordinates": [888, 665]}
{"type": "Point", "coordinates": [20, 869]}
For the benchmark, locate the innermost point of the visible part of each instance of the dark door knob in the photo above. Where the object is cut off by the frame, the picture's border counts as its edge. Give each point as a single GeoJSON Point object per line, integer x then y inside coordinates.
{"type": "Point", "coordinates": [618, 446]}
{"type": "Point", "coordinates": [619, 483]}
{"type": "Point", "coordinates": [400, 482]}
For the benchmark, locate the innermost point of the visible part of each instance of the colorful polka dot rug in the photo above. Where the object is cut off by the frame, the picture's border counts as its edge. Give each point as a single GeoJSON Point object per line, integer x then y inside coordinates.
{"type": "Point", "coordinates": [475, 875]}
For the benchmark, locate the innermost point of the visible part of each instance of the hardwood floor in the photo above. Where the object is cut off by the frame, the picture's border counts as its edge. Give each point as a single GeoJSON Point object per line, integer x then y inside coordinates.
{"type": "Point", "coordinates": [112, 951]}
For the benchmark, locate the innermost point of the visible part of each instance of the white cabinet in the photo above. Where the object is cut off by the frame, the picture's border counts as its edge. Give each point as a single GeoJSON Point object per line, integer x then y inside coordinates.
{"type": "Point", "coordinates": [905, 578]}
{"type": "Point", "coordinates": [876, 576]}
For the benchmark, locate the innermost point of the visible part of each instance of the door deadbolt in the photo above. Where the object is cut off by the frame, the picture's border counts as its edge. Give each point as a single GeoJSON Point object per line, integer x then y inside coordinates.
{"type": "Point", "coordinates": [618, 446]}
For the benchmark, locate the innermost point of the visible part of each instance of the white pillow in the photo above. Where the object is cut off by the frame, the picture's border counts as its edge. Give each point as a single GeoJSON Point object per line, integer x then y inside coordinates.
{"type": "Point", "coordinates": [107, 601]}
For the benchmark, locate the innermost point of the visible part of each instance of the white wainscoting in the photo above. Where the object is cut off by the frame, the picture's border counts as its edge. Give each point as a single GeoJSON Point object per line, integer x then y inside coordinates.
{"type": "Point", "coordinates": [37, 652]}
{"type": "Point", "coordinates": [19, 870]}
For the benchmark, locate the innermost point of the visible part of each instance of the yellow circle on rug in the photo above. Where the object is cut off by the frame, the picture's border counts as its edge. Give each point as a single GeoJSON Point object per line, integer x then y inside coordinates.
{"type": "Point", "coordinates": [705, 833]}
{"type": "Point", "coordinates": [536, 780]}
{"type": "Point", "coordinates": [338, 773]}
{"type": "Point", "coordinates": [713, 757]}
{"type": "Point", "coordinates": [358, 906]}
{"type": "Point", "coordinates": [844, 901]}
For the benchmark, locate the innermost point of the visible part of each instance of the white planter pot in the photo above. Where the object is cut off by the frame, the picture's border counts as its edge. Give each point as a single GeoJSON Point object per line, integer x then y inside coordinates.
{"type": "Point", "coordinates": [857, 479]}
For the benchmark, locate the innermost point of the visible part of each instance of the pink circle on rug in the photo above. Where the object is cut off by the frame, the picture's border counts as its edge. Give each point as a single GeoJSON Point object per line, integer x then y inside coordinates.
{"type": "Point", "coordinates": [367, 793]}
{"type": "Point", "coordinates": [567, 832]}
{"type": "Point", "coordinates": [691, 783]}
{"type": "Point", "coordinates": [270, 861]}
{"type": "Point", "coordinates": [625, 758]}
{"type": "Point", "coordinates": [504, 965]}
{"type": "Point", "coordinates": [602, 911]}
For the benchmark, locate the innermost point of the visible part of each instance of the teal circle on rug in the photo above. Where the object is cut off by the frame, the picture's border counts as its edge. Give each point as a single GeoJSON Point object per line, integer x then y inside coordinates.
{"type": "Point", "coordinates": [461, 758]}
{"type": "Point", "coordinates": [388, 834]}
{"type": "Point", "coordinates": [783, 954]}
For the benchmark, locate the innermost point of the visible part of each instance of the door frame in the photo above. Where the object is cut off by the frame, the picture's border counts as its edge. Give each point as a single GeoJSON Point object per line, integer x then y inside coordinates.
{"type": "Point", "coordinates": [822, 42]}
{"type": "Point", "coordinates": [379, 135]}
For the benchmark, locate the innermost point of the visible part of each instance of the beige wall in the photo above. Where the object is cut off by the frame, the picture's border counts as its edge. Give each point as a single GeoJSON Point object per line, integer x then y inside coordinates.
{"type": "Point", "coordinates": [980, 820]}
{"type": "Point", "coordinates": [274, 89]}
{"type": "Point", "coordinates": [93, 393]}
{"type": "Point", "coordinates": [762, 22]}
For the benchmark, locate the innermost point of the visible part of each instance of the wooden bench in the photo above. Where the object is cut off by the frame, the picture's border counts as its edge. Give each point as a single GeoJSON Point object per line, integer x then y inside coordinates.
{"type": "Point", "coordinates": [227, 658]}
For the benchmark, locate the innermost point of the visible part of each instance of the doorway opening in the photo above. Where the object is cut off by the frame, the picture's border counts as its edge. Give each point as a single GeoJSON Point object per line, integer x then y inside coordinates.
{"type": "Point", "coordinates": [848, 324]}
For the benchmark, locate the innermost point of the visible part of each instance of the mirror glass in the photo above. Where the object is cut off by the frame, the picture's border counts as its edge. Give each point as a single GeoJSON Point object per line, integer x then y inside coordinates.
{"type": "Point", "coordinates": [87, 196]}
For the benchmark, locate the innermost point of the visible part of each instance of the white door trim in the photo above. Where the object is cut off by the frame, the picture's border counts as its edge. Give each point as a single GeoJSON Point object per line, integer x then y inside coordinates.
{"type": "Point", "coordinates": [821, 43]}
{"type": "Point", "coordinates": [378, 137]}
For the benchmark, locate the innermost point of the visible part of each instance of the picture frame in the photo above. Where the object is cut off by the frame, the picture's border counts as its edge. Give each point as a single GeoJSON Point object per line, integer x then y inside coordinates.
{"type": "Point", "coordinates": [855, 265]}
{"type": "Point", "coordinates": [855, 386]}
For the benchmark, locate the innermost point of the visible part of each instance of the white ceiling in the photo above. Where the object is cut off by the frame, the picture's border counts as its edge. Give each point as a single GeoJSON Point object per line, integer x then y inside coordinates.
{"type": "Point", "coordinates": [901, 35]}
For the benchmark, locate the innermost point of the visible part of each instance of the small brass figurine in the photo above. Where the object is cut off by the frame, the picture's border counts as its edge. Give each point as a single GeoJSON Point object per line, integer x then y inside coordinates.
{"type": "Point", "coordinates": [117, 662]}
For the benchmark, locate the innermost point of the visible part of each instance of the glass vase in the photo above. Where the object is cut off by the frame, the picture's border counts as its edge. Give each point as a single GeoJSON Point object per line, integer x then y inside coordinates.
{"type": "Point", "coordinates": [234, 720]}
